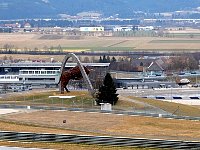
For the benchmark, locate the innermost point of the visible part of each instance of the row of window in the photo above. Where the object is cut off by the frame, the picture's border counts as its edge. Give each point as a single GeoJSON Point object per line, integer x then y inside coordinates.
{"type": "Point", "coordinates": [9, 77]}
{"type": "Point", "coordinates": [39, 72]}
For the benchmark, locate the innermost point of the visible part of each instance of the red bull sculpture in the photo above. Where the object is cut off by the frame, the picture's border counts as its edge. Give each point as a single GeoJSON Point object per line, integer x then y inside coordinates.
{"type": "Point", "coordinates": [71, 74]}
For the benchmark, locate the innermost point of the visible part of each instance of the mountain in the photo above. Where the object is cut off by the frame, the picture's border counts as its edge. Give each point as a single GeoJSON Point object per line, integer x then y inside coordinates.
{"type": "Point", "coordinates": [16, 9]}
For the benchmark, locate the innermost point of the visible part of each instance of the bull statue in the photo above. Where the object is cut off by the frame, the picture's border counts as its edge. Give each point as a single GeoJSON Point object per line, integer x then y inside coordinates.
{"type": "Point", "coordinates": [71, 74]}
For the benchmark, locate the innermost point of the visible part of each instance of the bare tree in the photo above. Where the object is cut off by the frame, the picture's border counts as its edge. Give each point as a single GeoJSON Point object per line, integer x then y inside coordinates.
{"type": "Point", "coordinates": [86, 60]}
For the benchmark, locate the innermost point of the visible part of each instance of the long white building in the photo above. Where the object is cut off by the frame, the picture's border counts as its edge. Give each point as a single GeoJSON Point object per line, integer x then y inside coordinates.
{"type": "Point", "coordinates": [37, 74]}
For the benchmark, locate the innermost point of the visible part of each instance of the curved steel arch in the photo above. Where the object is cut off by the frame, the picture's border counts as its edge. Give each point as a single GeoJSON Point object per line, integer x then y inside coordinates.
{"type": "Point", "coordinates": [85, 77]}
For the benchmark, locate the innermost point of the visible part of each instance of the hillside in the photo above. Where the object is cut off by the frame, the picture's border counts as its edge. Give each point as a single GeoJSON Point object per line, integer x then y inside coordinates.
{"type": "Point", "coordinates": [12, 9]}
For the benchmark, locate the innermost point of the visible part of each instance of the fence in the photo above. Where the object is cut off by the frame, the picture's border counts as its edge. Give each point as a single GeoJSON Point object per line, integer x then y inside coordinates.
{"type": "Point", "coordinates": [100, 140]}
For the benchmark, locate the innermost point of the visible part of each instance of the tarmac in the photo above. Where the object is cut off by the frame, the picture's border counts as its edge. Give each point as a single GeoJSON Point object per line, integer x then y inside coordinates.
{"type": "Point", "coordinates": [17, 148]}
{"type": "Point", "coordinates": [168, 93]}
{"type": "Point", "coordinates": [8, 111]}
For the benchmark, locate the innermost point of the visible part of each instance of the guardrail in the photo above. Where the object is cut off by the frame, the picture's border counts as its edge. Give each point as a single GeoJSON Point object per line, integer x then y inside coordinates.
{"type": "Point", "coordinates": [99, 140]}
{"type": "Point", "coordinates": [174, 97]}
{"type": "Point", "coordinates": [131, 113]}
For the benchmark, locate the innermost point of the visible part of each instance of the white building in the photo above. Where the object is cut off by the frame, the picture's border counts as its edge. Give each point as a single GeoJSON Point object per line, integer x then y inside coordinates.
{"type": "Point", "coordinates": [146, 28]}
{"type": "Point", "coordinates": [122, 29]}
{"type": "Point", "coordinates": [91, 29]}
{"type": "Point", "coordinates": [133, 28]}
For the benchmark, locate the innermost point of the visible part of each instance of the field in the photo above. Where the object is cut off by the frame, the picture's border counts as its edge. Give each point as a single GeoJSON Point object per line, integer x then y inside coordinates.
{"type": "Point", "coordinates": [85, 123]}
{"type": "Point", "coordinates": [107, 124]}
{"type": "Point", "coordinates": [34, 41]}
{"type": "Point", "coordinates": [82, 100]}
{"type": "Point", "coordinates": [96, 123]}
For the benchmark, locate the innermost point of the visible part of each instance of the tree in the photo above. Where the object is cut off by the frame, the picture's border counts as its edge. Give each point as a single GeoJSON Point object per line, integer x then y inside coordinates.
{"type": "Point", "coordinates": [11, 58]}
{"type": "Point", "coordinates": [113, 59]}
{"type": "Point", "coordinates": [107, 92]}
{"type": "Point", "coordinates": [100, 60]}
{"type": "Point", "coordinates": [93, 60]}
{"type": "Point", "coordinates": [183, 62]}
{"type": "Point", "coordinates": [5, 58]}
{"type": "Point", "coordinates": [86, 60]}
{"type": "Point", "coordinates": [60, 50]}
{"type": "Point", "coordinates": [104, 59]}
{"type": "Point", "coordinates": [108, 59]}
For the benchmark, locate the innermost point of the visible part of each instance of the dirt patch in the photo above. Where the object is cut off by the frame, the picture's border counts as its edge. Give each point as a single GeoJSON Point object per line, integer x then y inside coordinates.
{"type": "Point", "coordinates": [107, 124]}
{"type": "Point", "coordinates": [50, 37]}
{"type": "Point", "coordinates": [57, 37]}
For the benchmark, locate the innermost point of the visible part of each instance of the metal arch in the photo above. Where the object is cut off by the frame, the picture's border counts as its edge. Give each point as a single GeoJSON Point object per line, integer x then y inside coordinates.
{"type": "Point", "coordinates": [85, 77]}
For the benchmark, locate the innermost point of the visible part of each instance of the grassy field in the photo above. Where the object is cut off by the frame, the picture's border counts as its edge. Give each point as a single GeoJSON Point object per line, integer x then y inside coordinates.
{"type": "Point", "coordinates": [32, 41]}
{"type": "Point", "coordinates": [82, 100]}
{"type": "Point", "coordinates": [184, 110]}
{"type": "Point", "coordinates": [175, 41]}
{"type": "Point", "coordinates": [105, 124]}
{"type": "Point", "coordinates": [185, 35]}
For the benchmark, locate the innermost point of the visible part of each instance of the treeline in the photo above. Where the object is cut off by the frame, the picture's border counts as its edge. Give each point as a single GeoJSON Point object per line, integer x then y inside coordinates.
{"type": "Point", "coordinates": [72, 23]}
{"type": "Point", "coordinates": [106, 59]}
{"type": "Point", "coordinates": [184, 62]}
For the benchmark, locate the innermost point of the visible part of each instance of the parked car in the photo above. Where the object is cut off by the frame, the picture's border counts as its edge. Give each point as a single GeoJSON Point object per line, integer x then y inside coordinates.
{"type": "Point", "coordinates": [181, 73]}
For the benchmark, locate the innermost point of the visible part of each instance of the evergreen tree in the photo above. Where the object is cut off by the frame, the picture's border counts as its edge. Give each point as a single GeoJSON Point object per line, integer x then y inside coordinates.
{"type": "Point", "coordinates": [113, 59]}
{"type": "Point", "coordinates": [107, 92]}
{"type": "Point", "coordinates": [100, 60]}
{"type": "Point", "coordinates": [108, 59]}
{"type": "Point", "coordinates": [104, 59]}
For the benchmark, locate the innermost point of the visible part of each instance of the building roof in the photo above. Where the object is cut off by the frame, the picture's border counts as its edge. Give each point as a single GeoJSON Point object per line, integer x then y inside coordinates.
{"type": "Point", "coordinates": [155, 66]}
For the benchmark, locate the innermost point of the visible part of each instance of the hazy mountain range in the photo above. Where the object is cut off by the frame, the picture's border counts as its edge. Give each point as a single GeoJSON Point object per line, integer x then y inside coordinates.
{"type": "Point", "coordinates": [16, 9]}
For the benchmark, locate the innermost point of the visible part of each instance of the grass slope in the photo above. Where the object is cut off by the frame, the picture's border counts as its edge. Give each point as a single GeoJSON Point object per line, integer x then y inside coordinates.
{"type": "Point", "coordinates": [184, 110]}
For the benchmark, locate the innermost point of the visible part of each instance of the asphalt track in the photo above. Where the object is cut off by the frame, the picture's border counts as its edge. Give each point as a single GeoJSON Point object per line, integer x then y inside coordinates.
{"type": "Point", "coordinates": [168, 93]}
{"type": "Point", "coordinates": [17, 148]}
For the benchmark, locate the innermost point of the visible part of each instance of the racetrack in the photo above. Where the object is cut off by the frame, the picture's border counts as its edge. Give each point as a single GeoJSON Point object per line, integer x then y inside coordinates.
{"type": "Point", "coordinates": [110, 124]}
{"type": "Point", "coordinates": [168, 93]}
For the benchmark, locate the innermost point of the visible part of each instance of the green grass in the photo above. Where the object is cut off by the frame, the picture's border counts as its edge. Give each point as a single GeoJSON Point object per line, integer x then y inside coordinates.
{"type": "Point", "coordinates": [82, 99]}
{"type": "Point", "coordinates": [186, 35]}
{"type": "Point", "coordinates": [175, 41]}
{"type": "Point", "coordinates": [184, 110]}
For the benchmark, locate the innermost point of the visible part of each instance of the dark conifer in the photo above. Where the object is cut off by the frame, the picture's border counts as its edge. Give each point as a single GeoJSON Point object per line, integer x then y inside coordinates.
{"type": "Point", "coordinates": [107, 92]}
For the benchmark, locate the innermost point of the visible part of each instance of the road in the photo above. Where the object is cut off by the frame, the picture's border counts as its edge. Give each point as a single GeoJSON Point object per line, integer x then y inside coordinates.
{"type": "Point", "coordinates": [17, 148]}
{"type": "Point", "coordinates": [161, 92]}
{"type": "Point", "coordinates": [168, 93]}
